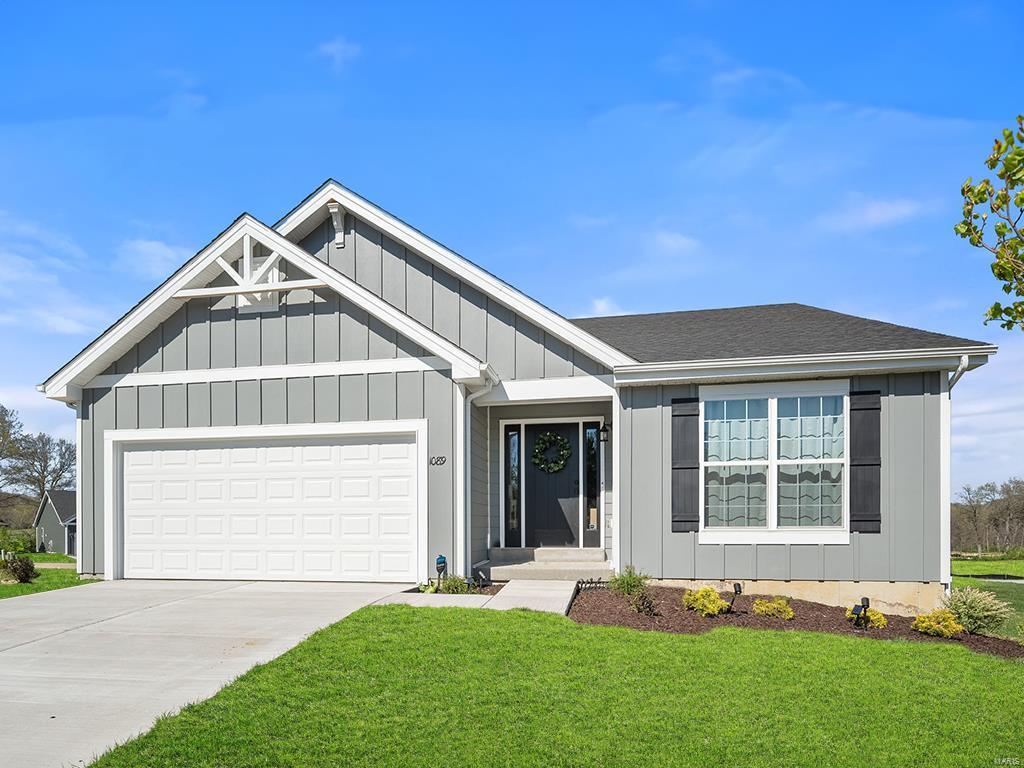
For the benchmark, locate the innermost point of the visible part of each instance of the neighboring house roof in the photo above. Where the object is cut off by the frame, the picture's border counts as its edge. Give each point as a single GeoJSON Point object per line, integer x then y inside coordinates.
{"type": "Point", "coordinates": [64, 504]}
{"type": "Point", "coordinates": [768, 330]}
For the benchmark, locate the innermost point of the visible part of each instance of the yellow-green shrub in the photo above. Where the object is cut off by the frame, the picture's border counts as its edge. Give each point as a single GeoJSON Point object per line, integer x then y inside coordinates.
{"type": "Point", "coordinates": [706, 601]}
{"type": "Point", "coordinates": [777, 608]}
{"type": "Point", "coordinates": [876, 619]}
{"type": "Point", "coordinates": [939, 623]}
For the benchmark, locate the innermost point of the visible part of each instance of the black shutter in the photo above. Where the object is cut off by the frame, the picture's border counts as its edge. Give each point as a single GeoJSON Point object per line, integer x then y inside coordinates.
{"type": "Point", "coordinates": [685, 465]}
{"type": "Point", "coordinates": [866, 462]}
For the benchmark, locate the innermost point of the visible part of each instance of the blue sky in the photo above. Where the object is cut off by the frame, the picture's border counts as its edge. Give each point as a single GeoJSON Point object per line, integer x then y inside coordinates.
{"type": "Point", "coordinates": [675, 156]}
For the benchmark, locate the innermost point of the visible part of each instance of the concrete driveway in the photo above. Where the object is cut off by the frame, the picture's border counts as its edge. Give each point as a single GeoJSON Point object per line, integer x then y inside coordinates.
{"type": "Point", "coordinates": [85, 668]}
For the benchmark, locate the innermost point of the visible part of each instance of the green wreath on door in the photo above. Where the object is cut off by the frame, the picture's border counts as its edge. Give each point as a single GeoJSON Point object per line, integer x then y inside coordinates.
{"type": "Point", "coordinates": [544, 443]}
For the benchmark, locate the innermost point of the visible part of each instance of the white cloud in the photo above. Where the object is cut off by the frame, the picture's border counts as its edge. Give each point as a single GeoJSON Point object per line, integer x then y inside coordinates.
{"type": "Point", "coordinates": [338, 52]}
{"type": "Point", "coordinates": [868, 214]}
{"type": "Point", "coordinates": [604, 305]}
{"type": "Point", "coordinates": [38, 414]}
{"type": "Point", "coordinates": [673, 243]}
{"type": "Point", "coordinates": [151, 259]}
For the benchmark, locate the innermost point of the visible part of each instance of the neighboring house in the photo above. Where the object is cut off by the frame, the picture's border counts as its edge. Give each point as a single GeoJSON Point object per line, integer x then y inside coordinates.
{"type": "Point", "coordinates": [56, 522]}
{"type": "Point", "coordinates": [339, 397]}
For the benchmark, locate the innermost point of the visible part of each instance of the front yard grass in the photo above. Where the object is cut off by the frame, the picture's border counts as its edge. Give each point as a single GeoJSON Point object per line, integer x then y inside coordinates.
{"type": "Point", "coordinates": [983, 567]}
{"type": "Point", "coordinates": [1004, 590]}
{"type": "Point", "coordinates": [49, 578]}
{"type": "Point", "coordinates": [395, 685]}
{"type": "Point", "coordinates": [50, 557]}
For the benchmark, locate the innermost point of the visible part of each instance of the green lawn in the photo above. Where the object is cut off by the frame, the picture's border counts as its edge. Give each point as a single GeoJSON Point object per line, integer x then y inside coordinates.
{"type": "Point", "coordinates": [50, 557]}
{"type": "Point", "coordinates": [1013, 568]}
{"type": "Point", "coordinates": [49, 578]}
{"type": "Point", "coordinates": [394, 685]}
{"type": "Point", "coordinates": [1008, 591]}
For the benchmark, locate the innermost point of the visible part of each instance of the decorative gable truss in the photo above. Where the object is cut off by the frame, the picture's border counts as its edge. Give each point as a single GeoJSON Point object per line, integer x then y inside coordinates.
{"type": "Point", "coordinates": [245, 261]}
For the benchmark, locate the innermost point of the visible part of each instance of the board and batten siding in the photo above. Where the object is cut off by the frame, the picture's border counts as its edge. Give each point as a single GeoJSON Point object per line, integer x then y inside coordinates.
{"type": "Point", "coordinates": [377, 396]}
{"type": "Point", "coordinates": [514, 346]}
{"type": "Point", "coordinates": [907, 549]}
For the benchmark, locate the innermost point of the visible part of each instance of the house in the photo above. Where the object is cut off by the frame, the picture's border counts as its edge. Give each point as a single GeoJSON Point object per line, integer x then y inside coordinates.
{"type": "Point", "coordinates": [56, 522]}
{"type": "Point", "coordinates": [340, 397]}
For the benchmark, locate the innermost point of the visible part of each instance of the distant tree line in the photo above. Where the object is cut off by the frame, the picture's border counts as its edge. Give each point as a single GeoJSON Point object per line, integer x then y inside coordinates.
{"type": "Point", "coordinates": [989, 517]}
{"type": "Point", "coordinates": [31, 464]}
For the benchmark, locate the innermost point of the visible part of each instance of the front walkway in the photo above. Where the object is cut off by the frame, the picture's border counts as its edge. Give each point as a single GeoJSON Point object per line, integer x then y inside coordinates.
{"type": "Point", "coordinates": [549, 596]}
{"type": "Point", "coordinates": [83, 669]}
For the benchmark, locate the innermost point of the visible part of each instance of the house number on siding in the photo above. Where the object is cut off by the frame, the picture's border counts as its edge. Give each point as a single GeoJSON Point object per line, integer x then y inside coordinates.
{"type": "Point", "coordinates": [437, 461]}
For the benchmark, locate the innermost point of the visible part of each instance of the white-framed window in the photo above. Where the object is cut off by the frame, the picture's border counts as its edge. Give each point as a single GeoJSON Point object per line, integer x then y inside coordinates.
{"type": "Point", "coordinates": [774, 463]}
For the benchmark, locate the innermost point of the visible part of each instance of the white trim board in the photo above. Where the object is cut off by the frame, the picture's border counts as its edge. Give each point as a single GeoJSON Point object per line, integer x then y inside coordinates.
{"type": "Point", "coordinates": [258, 372]}
{"type": "Point", "coordinates": [316, 205]}
{"type": "Point", "coordinates": [114, 441]}
{"type": "Point", "coordinates": [161, 304]}
{"type": "Point", "coordinates": [562, 389]}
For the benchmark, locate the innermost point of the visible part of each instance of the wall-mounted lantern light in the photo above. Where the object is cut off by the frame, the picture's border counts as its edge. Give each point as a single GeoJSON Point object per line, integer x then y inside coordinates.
{"type": "Point", "coordinates": [603, 432]}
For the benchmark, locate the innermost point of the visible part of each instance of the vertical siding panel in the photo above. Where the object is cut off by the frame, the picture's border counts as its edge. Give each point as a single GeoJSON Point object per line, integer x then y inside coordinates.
{"type": "Point", "coordinates": [247, 343]}
{"type": "Point", "coordinates": [299, 325]}
{"type": "Point", "coordinates": [393, 273]}
{"type": "Point", "coordinates": [931, 522]}
{"type": "Point", "coordinates": [247, 402]}
{"type": "Point", "coordinates": [222, 333]}
{"type": "Point", "coordinates": [501, 340]}
{"type": "Point", "coordinates": [382, 396]}
{"type": "Point", "coordinates": [419, 291]}
{"type": "Point", "coordinates": [300, 401]}
{"type": "Point", "coordinates": [174, 341]}
{"type": "Point", "coordinates": [175, 406]}
{"type": "Point", "coordinates": [103, 418]}
{"type": "Point", "coordinates": [446, 305]}
{"type": "Point", "coordinates": [354, 398]}
{"type": "Point", "coordinates": [438, 399]}
{"type": "Point", "coordinates": [581, 364]}
{"type": "Point", "coordinates": [804, 562]}
{"type": "Point", "coordinates": [381, 340]}
{"type": "Point", "coordinates": [907, 469]}
{"type": "Point", "coordinates": [319, 241]}
{"type": "Point", "coordinates": [354, 332]}
{"type": "Point", "coordinates": [273, 338]}
{"type": "Point", "coordinates": [199, 406]}
{"type": "Point", "coordinates": [197, 336]}
{"type": "Point", "coordinates": [473, 321]}
{"type": "Point", "coordinates": [529, 350]}
{"type": "Point", "coordinates": [150, 359]}
{"type": "Point", "coordinates": [409, 386]}
{"type": "Point", "coordinates": [86, 531]}
{"type": "Point", "coordinates": [326, 399]}
{"type": "Point", "coordinates": [624, 423]}
{"type": "Point", "coordinates": [127, 410]}
{"type": "Point", "coordinates": [151, 407]}
{"type": "Point", "coordinates": [557, 357]}
{"type": "Point", "coordinates": [739, 561]}
{"type": "Point", "coordinates": [273, 402]}
{"type": "Point", "coordinates": [368, 257]}
{"type": "Point", "coordinates": [710, 561]}
{"type": "Point", "coordinates": [343, 259]}
{"type": "Point", "coordinates": [326, 327]}
{"type": "Point", "coordinates": [222, 404]}
{"type": "Point", "coordinates": [647, 474]}
{"type": "Point", "coordinates": [129, 362]}
{"type": "Point", "coordinates": [773, 562]}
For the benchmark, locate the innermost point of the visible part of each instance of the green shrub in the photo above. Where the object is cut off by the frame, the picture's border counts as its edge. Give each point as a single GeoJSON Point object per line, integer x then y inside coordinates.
{"type": "Point", "coordinates": [876, 619]}
{"type": "Point", "coordinates": [20, 569]}
{"type": "Point", "coordinates": [428, 589]}
{"type": "Point", "coordinates": [628, 581]}
{"type": "Point", "coordinates": [453, 585]}
{"type": "Point", "coordinates": [939, 623]}
{"type": "Point", "coordinates": [17, 542]}
{"type": "Point", "coordinates": [643, 603]}
{"type": "Point", "coordinates": [977, 610]}
{"type": "Point", "coordinates": [777, 608]}
{"type": "Point", "coordinates": [706, 601]}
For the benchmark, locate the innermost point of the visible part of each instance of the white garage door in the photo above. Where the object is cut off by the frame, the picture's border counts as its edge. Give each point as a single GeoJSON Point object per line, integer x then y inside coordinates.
{"type": "Point", "coordinates": [328, 509]}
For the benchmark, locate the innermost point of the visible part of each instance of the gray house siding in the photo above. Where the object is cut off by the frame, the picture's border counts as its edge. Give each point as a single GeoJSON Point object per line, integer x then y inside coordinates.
{"type": "Point", "coordinates": [554, 411]}
{"type": "Point", "coordinates": [478, 483]}
{"type": "Point", "coordinates": [515, 347]}
{"type": "Point", "coordinates": [50, 530]}
{"type": "Point", "coordinates": [907, 549]}
{"type": "Point", "coordinates": [387, 396]}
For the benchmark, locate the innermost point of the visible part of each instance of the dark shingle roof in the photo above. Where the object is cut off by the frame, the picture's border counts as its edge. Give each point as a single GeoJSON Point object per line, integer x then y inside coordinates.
{"type": "Point", "coordinates": [64, 503]}
{"type": "Point", "coordinates": [768, 330]}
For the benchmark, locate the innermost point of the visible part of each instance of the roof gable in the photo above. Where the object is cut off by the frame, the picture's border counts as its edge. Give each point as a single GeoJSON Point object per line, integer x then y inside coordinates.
{"type": "Point", "coordinates": [306, 216]}
{"type": "Point", "coordinates": [193, 280]}
{"type": "Point", "coordinates": [64, 504]}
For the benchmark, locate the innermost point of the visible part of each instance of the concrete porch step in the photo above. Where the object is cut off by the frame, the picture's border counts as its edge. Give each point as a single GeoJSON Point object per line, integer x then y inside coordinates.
{"type": "Point", "coordinates": [550, 571]}
{"type": "Point", "coordinates": [511, 555]}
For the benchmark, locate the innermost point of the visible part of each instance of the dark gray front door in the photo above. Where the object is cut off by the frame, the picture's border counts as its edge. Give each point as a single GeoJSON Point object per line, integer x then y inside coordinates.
{"type": "Point", "coordinates": [552, 498]}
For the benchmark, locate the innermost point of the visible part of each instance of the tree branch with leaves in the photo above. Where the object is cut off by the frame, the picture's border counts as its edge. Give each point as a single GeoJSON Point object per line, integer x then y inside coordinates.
{"type": "Point", "coordinates": [1004, 201]}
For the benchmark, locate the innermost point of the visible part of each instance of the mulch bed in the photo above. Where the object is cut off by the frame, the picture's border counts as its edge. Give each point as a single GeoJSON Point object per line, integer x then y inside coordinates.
{"type": "Point", "coordinates": [608, 608]}
{"type": "Point", "coordinates": [491, 589]}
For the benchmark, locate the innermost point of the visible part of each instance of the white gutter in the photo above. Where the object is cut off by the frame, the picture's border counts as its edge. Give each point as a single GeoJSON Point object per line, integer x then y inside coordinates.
{"type": "Point", "coordinates": [490, 379]}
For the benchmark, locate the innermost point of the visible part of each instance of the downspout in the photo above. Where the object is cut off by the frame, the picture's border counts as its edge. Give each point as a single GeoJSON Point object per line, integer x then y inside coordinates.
{"type": "Point", "coordinates": [467, 508]}
{"type": "Point", "coordinates": [960, 371]}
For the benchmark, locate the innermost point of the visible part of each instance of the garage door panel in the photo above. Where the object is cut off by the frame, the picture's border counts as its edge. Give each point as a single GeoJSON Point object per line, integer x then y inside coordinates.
{"type": "Point", "coordinates": [316, 509]}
